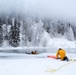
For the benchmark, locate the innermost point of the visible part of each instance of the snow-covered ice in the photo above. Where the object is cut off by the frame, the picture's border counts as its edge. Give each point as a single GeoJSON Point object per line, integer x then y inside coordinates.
{"type": "Point", "coordinates": [28, 64]}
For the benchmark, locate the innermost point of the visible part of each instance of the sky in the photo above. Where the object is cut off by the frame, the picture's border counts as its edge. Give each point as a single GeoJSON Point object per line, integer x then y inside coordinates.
{"type": "Point", "coordinates": [63, 9]}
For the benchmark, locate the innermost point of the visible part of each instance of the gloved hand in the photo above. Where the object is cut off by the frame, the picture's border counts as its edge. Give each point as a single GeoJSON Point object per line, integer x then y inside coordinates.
{"type": "Point", "coordinates": [58, 58]}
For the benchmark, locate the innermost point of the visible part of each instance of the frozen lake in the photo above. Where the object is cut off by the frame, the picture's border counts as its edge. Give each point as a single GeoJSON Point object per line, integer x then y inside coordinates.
{"type": "Point", "coordinates": [28, 64]}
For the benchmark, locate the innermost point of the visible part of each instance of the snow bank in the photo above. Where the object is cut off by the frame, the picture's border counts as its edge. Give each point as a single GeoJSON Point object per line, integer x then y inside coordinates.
{"type": "Point", "coordinates": [61, 43]}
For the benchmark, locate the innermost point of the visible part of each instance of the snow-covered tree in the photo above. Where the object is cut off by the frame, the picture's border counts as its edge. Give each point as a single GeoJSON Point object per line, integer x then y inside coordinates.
{"type": "Point", "coordinates": [69, 33]}
{"type": "Point", "coordinates": [37, 33]}
{"type": "Point", "coordinates": [1, 34]}
{"type": "Point", "coordinates": [14, 35]}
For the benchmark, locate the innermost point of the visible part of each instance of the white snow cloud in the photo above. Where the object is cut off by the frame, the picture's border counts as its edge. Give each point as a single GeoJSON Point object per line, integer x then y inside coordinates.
{"type": "Point", "coordinates": [64, 9]}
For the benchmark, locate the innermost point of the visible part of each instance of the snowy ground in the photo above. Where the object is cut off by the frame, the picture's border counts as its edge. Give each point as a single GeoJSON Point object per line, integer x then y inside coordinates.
{"type": "Point", "coordinates": [27, 64]}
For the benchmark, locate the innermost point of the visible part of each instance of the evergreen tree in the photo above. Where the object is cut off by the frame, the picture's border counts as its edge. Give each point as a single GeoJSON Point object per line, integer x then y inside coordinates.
{"type": "Point", "coordinates": [1, 34]}
{"type": "Point", "coordinates": [69, 33]}
{"type": "Point", "coordinates": [14, 35]}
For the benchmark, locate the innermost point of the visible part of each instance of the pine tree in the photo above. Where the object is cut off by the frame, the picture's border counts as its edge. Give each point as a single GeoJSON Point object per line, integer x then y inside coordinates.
{"type": "Point", "coordinates": [1, 34]}
{"type": "Point", "coordinates": [14, 35]}
{"type": "Point", "coordinates": [69, 33]}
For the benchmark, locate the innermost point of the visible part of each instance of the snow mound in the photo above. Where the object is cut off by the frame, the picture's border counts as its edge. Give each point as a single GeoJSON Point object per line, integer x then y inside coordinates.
{"type": "Point", "coordinates": [59, 42]}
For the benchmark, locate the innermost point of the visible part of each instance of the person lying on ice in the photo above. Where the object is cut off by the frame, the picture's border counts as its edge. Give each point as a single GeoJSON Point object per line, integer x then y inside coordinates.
{"type": "Point", "coordinates": [34, 52]}
{"type": "Point", "coordinates": [61, 54]}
